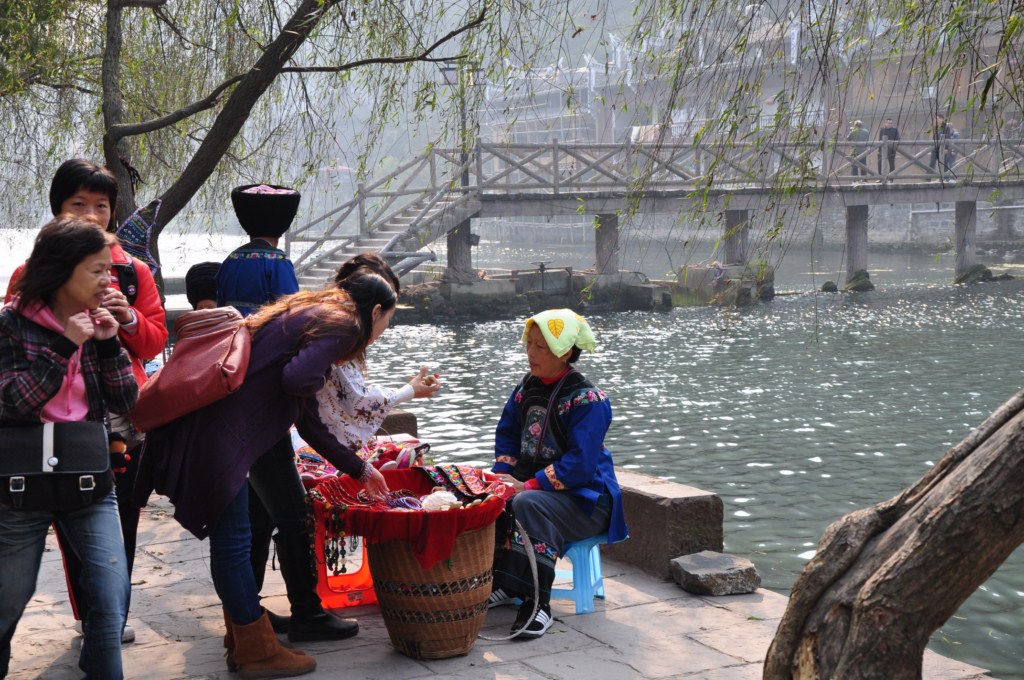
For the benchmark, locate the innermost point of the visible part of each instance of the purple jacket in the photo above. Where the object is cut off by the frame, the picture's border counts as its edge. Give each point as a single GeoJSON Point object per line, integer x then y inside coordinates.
{"type": "Point", "coordinates": [201, 460]}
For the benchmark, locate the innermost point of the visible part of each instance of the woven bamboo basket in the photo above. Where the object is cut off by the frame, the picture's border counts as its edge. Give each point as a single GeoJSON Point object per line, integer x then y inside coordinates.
{"type": "Point", "coordinates": [434, 613]}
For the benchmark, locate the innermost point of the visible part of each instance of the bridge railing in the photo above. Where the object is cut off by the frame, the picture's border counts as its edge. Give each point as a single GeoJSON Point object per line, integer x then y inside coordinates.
{"type": "Point", "coordinates": [559, 167]}
{"type": "Point", "coordinates": [375, 202]}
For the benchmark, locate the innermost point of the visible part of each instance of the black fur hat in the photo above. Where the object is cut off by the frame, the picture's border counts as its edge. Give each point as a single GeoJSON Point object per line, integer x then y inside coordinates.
{"type": "Point", "coordinates": [265, 213]}
{"type": "Point", "coordinates": [201, 282]}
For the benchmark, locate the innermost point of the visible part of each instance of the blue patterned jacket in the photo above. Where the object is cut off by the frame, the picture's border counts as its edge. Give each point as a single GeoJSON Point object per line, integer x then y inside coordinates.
{"type": "Point", "coordinates": [572, 457]}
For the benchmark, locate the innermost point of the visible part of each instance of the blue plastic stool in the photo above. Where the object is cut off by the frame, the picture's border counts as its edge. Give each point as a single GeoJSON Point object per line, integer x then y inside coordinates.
{"type": "Point", "coordinates": [587, 579]}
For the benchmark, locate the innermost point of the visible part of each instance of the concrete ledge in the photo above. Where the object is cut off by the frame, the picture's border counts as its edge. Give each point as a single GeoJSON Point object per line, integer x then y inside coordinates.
{"type": "Point", "coordinates": [400, 422]}
{"type": "Point", "coordinates": [481, 288]}
{"type": "Point", "coordinates": [665, 520]}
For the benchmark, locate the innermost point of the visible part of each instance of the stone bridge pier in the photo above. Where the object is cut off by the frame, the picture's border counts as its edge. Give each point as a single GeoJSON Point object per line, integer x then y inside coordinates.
{"type": "Point", "coordinates": [606, 243]}
{"type": "Point", "coordinates": [964, 238]}
{"type": "Point", "coordinates": [737, 226]}
{"type": "Point", "coordinates": [736, 238]}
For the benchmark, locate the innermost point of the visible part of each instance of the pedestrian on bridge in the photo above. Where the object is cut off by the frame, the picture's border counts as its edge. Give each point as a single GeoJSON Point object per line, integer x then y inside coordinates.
{"type": "Point", "coordinates": [858, 135]}
{"type": "Point", "coordinates": [889, 135]}
{"type": "Point", "coordinates": [942, 133]}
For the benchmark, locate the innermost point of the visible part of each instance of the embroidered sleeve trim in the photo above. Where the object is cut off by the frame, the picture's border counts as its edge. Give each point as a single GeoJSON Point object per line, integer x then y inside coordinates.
{"type": "Point", "coordinates": [508, 460]}
{"type": "Point", "coordinates": [590, 396]}
{"type": "Point", "coordinates": [549, 472]}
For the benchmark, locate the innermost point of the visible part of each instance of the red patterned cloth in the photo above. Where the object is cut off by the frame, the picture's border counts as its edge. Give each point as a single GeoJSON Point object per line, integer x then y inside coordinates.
{"type": "Point", "coordinates": [467, 482]}
{"type": "Point", "coordinates": [431, 535]}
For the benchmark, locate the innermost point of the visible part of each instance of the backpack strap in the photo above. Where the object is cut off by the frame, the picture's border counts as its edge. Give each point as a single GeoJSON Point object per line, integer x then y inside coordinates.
{"type": "Point", "coordinates": [128, 281]}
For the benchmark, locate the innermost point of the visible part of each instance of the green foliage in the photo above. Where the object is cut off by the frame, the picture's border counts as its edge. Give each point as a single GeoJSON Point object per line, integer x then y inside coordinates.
{"type": "Point", "coordinates": [363, 89]}
{"type": "Point", "coordinates": [361, 76]}
{"type": "Point", "coordinates": [31, 32]}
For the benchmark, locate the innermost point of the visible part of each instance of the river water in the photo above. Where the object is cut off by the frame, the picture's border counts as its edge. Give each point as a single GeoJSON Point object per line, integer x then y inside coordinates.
{"type": "Point", "coordinates": [795, 411]}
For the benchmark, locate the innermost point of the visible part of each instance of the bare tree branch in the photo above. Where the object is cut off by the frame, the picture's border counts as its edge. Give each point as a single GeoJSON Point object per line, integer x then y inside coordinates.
{"type": "Point", "coordinates": [120, 131]}
{"type": "Point", "coordinates": [166, 20]}
{"type": "Point", "coordinates": [35, 80]}
{"type": "Point", "coordinates": [231, 118]}
{"type": "Point", "coordinates": [154, 4]}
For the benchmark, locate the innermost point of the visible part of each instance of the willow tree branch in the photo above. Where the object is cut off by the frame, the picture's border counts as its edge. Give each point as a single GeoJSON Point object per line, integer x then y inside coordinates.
{"type": "Point", "coordinates": [123, 130]}
{"type": "Point", "coordinates": [162, 17]}
{"type": "Point", "coordinates": [36, 80]}
{"type": "Point", "coordinates": [152, 4]}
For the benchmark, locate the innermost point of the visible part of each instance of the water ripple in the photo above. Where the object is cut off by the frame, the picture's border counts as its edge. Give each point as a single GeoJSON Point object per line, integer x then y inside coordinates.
{"type": "Point", "coordinates": [795, 412]}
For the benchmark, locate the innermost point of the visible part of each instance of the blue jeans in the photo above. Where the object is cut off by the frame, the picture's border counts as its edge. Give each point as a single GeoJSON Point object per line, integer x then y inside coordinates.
{"type": "Point", "coordinates": [230, 540]}
{"type": "Point", "coordinates": [94, 533]}
{"type": "Point", "coordinates": [274, 477]}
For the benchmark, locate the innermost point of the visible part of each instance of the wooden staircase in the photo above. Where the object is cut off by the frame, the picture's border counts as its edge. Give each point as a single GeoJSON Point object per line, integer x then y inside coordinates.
{"type": "Point", "coordinates": [414, 210]}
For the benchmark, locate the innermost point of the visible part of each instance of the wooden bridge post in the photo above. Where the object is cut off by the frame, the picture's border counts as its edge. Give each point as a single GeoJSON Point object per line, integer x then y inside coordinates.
{"type": "Point", "coordinates": [556, 172]}
{"type": "Point", "coordinates": [856, 240]}
{"type": "Point", "coordinates": [737, 236]}
{"type": "Point", "coordinates": [606, 242]}
{"type": "Point", "coordinates": [966, 233]}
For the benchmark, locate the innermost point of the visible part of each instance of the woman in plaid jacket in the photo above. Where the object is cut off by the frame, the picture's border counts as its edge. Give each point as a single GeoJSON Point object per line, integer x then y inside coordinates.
{"type": "Point", "coordinates": [61, 361]}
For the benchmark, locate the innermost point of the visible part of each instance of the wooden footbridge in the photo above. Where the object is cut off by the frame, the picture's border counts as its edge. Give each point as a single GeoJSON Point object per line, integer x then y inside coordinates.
{"type": "Point", "coordinates": [437, 193]}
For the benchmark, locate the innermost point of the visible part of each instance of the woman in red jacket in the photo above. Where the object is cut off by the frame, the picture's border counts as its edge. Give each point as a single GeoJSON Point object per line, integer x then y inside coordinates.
{"type": "Point", "coordinates": [88, 191]}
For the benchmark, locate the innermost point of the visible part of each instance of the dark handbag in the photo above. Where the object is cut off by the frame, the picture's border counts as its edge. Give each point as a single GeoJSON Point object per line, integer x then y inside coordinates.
{"type": "Point", "coordinates": [54, 466]}
{"type": "Point", "coordinates": [208, 362]}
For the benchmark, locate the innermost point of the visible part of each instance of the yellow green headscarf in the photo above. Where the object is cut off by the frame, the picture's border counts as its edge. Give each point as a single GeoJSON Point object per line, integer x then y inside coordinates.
{"type": "Point", "coordinates": [562, 329]}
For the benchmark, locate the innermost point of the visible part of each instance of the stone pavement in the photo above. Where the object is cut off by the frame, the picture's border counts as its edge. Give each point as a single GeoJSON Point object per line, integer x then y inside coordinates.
{"type": "Point", "coordinates": [646, 628]}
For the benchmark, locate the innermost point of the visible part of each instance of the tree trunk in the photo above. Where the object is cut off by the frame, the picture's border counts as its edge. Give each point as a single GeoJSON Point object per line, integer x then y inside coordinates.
{"type": "Point", "coordinates": [886, 577]}
{"type": "Point", "coordinates": [226, 126]}
{"type": "Point", "coordinates": [460, 255]}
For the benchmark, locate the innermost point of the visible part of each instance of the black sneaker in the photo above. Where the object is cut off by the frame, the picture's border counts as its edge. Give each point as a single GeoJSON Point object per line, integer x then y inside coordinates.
{"type": "Point", "coordinates": [535, 627]}
{"type": "Point", "coordinates": [499, 598]}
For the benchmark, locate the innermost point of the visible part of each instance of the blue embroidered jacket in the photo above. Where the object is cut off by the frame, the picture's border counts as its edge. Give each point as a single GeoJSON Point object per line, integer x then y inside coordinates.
{"type": "Point", "coordinates": [572, 457]}
{"type": "Point", "coordinates": [253, 275]}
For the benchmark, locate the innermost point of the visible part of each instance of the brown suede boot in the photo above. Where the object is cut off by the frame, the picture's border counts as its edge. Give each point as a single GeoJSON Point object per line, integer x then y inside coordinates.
{"type": "Point", "coordinates": [229, 644]}
{"type": "Point", "coordinates": [258, 653]}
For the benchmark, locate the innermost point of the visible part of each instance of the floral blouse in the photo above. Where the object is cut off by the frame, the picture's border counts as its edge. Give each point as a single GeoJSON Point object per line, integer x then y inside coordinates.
{"type": "Point", "coordinates": [350, 408]}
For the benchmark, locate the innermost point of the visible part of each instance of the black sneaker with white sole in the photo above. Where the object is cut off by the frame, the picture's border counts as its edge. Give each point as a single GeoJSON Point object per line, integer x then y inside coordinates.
{"type": "Point", "coordinates": [499, 598]}
{"type": "Point", "coordinates": [535, 627]}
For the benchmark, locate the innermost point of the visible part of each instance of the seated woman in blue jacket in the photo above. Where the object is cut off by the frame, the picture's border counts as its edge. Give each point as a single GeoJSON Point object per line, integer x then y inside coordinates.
{"type": "Point", "coordinates": [550, 446]}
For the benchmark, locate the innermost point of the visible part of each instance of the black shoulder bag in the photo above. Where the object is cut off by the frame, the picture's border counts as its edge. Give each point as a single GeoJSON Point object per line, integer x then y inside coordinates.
{"type": "Point", "coordinates": [54, 466]}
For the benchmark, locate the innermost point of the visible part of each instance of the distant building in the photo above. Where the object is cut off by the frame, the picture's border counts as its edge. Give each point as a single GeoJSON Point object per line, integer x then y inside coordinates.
{"type": "Point", "coordinates": [697, 90]}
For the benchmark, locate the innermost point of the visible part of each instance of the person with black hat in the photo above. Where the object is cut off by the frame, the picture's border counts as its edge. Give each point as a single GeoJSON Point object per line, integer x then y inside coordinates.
{"type": "Point", "coordinates": [255, 274]}
{"type": "Point", "coordinates": [259, 272]}
{"type": "Point", "coordinates": [201, 285]}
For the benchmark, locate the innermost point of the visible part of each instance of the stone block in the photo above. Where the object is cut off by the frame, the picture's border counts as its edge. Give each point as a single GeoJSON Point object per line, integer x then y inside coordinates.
{"type": "Point", "coordinates": [665, 520]}
{"type": "Point", "coordinates": [713, 573]}
{"type": "Point", "coordinates": [399, 422]}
